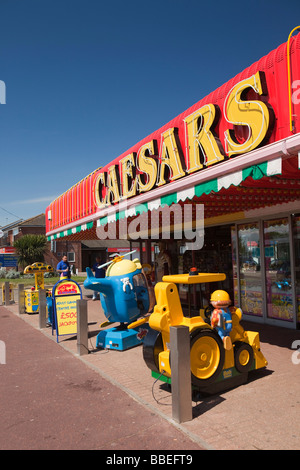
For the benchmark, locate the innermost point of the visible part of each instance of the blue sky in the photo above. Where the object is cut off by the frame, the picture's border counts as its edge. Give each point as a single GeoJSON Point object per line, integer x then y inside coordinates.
{"type": "Point", "coordinates": [86, 80]}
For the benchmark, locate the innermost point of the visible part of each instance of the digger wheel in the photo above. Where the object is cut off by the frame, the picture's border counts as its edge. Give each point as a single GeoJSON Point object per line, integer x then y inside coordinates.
{"type": "Point", "coordinates": [207, 357]}
{"type": "Point", "coordinates": [152, 346]}
{"type": "Point", "coordinates": [243, 356]}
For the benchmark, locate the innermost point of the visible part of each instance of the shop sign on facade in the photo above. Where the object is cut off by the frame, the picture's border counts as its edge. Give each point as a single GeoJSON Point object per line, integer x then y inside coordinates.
{"type": "Point", "coordinates": [140, 172]}
{"type": "Point", "coordinates": [8, 250]}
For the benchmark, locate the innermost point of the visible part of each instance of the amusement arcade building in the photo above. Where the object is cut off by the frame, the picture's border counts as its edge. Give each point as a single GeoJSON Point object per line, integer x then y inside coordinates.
{"type": "Point", "coordinates": [236, 155]}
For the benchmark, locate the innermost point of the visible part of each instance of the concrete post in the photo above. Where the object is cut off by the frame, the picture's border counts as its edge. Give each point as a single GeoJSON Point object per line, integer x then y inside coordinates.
{"type": "Point", "coordinates": [6, 293]}
{"type": "Point", "coordinates": [82, 327]}
{"type": "Point", "coordinates": [181, 374]}
{"type": "Point", "coordinates": [21, 298]}
{"type": "Point", "coordinates": [42, 308]}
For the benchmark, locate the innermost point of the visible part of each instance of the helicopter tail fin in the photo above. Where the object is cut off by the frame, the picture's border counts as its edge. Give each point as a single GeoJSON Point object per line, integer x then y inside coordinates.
{"type": "Point", "coordinates": [90, 279]}
{"type": "Point", "coordinates": [96, 284]}
{"type": "Point", "coordinates": [89, 273]}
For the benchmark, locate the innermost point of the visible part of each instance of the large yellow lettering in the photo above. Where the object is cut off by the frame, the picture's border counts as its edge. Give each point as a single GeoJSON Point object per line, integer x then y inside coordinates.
{"type": "Point", "coordinates": [147, 165]}
{"type": "Point", "coordinates": [203, 146]}
{"type": "Point", "coordinates": [113, 194]}
{"type": "Point", "coordinates": [127, 165]}
{"type": "Point", "coordinates": [98, 190]}
{"type": "Point", "coordinates": [170, 157]}
{"type": "Point", "coordinates": [255, 115]}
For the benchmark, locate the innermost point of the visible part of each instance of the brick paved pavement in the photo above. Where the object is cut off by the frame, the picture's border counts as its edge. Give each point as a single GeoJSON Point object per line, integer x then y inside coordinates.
{"type": "Point", "coordinates": [263, 414]}
{"type": "Point", "coordinates": [51, 400]}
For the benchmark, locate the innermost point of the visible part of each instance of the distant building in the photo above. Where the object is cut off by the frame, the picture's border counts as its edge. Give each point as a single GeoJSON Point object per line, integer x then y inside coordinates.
{"type": "Point", "coordinates": [80, 253]}
{"type": "Point", "coordinates": [14, 231]}
{"type": "Point", "coordinates": [11, 232]}
{"type": "Point", "coordinates": [33, 226]}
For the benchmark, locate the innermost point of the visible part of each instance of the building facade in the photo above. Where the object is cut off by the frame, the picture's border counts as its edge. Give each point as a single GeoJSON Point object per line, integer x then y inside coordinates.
{"type": "Point", "coordinates": [231, 163]}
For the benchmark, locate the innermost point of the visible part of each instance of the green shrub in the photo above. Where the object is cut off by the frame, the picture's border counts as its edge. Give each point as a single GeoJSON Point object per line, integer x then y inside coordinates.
{"type": "Point", "coordinates": [30, 249]}
{"type": "Point", "coordinates": [11, 274]}
{"type": "Point", "coordinates": [2, 273]}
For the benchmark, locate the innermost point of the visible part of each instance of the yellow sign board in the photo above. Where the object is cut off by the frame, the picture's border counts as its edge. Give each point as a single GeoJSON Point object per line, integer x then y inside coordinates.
{"type": "Point", "coordinates": [65, 296]}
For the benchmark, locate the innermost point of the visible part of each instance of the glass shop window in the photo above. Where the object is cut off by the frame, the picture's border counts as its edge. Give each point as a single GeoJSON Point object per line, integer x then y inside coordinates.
{"type": "Point", "coordinates": [250, 272]}
{"type": "Point", "coordinates": [296, 236]}
{"type": "Point", "coordinates": [278, 269]}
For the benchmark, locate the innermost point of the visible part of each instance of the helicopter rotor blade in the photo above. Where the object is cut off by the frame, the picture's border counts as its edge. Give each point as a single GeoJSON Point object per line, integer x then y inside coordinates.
{"type": "Point", "coordinates": [116, 255]}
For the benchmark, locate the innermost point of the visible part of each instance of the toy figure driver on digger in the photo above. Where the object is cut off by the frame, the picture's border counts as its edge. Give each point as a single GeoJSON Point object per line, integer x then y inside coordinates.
{"type": "Point", "coordinates": [221, 318]}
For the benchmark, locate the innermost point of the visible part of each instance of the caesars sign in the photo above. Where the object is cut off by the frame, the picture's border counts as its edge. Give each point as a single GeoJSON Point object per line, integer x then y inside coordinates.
{"type": "Point", "coordinates": [149, 167]}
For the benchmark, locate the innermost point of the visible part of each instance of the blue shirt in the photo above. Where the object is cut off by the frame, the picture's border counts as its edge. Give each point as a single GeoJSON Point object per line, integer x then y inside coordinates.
{"type": "Point", "coordinates": [98, 272]}
{"type": "Point", "coordinates": [62, 266]}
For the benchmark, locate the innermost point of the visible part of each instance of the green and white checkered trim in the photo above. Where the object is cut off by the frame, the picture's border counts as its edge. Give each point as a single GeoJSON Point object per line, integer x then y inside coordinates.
{"type": "Point", "coordinates": [215, 185]}
{"type": "Point", "coordinates": [270, 168]}
{"type": "Point", "coordinates": [70, 231]}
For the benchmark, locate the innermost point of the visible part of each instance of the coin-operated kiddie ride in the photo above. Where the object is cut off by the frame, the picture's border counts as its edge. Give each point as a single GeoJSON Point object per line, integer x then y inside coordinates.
{"type": "Point", "coordinates": [32, 295]}
{"type": "Point", "coordinates": [221, 351]}
{"type": "Point", "coordinates": [125, 296]}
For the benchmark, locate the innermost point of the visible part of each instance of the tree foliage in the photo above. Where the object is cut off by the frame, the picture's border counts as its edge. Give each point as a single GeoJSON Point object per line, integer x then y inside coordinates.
{"type": "Point", "coordinates": [31, 249]}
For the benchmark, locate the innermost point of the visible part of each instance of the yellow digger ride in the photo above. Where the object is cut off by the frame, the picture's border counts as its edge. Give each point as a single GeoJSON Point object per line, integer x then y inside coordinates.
{"type": "Point", "coordinates": [214, 368]}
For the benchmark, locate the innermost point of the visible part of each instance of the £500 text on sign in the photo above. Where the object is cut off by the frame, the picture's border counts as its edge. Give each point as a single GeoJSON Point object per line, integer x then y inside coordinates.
{"type": "Point", "coordinates": [65, 295]}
